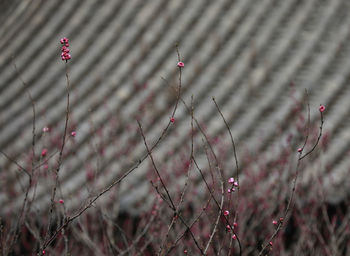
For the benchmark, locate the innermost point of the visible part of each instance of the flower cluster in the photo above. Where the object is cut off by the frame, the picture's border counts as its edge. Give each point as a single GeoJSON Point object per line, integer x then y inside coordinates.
{"type": "Point", "coordinates": [234, 184]}
{"type": "Point", "coordinates": [65, 56]}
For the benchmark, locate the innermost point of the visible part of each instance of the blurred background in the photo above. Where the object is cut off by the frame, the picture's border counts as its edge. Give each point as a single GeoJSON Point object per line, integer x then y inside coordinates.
{"type": "Point", "coordinates": [255, 57]}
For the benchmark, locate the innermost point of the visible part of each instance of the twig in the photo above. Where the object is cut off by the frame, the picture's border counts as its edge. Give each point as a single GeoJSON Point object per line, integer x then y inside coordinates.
{"type": "Point", "coordinates": [23, 211]}
{"type": "Point", "coordinates": [191, 225]}
{"type": "Point", "coordinates": [217, 219]}
{"type": "Point", "coordinates": [138, 238]}
{"type": "Point", "coordinates": [317, 141]}
{"type": "Point", "coordinates": [182, 195]}
{"type": "Point", "coordinates": [155, 167]}
{"type": "Point", "coordinates": [300, 157]}
{"type": "Point", "coordinates": [68, 220]}
{"type": "Point", "coordinates": [221, 175]}
{"type": "Point", "coordinates": [168, 200]}
{"type": "Point", "coordinates": [15, 162]}
{"type": "Point", "coordinates": [53, 195]}
{"type": "Point", "coordinates": [235, 157]}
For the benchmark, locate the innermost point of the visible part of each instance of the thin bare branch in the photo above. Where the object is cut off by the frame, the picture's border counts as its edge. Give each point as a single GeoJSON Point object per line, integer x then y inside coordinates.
{"type": "Point", "coordinates": [234, 155]}
{"type": "Point", "coordinates": [291, 198]}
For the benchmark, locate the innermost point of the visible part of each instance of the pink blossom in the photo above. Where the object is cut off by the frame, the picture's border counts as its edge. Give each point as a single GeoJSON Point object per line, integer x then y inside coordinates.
{"type": "Point", "coordinates": [274, 222]}
{"type": "Point", "coordinates": [231, 180]}
{"type": "Point", "coordinates": [300, 149]}
{"type": "Point", "coordinates": [172, 119]}
{"type": "Point", "coordinates": [235, 184]}
{"type": "Point", "coordinates": [234, 237]}
{"type": "Point", "coordinates": [322, 108]}
{"type": "Point", "coordinates": [61, 201]}
{"type": "Point", "coordinates": [44, 152]}
{"type": "Point", "coordinates": [73, 133]}
{"type": "Point", "coordinates": [235, 224]}
{"type": "Point", "coordinates": [46, 129]}
{"type": "Point", "coordinates": [65, 49]}
{"type": "Point", "coordinates": [226, 213]}
{"type": "Point", "coordinates": [64, 40]}
{"type": "Point", "coordinates": [180, 64]}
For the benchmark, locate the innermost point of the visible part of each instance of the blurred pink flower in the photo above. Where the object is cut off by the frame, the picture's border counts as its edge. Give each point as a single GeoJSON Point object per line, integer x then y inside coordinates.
{"type": "Point", "coordinates": [322, 108]}
{"type": "Point", "coordinates": [180, 64]}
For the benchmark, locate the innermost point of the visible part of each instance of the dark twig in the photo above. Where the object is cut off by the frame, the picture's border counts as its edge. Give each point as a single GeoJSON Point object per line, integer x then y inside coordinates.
{"type": "Point", "coordinates": [182, 195]}
{"type": "Point", "coordinates": [15, 162]}
{"type": "Point", "coordinates": [155, 167]}
{"type": "Point", "coordinates": [68, 220]}
{"type": "Point", "coordinates": [191, 225]}
{"type": "Point", "coordinates": [234, 155]}
{"type": "Point", "coordinates": [24, 208]}
{"type": "Point", "coordinates": [291, 198]}
{"type": "Point", "coordinates": [60, 158]}
{"type": "Point", "coordinates": [317, 141]}
{"type": "Point", "coordinates": [221, 175]}
{"type": "Point", "coordinates": [168, 200]}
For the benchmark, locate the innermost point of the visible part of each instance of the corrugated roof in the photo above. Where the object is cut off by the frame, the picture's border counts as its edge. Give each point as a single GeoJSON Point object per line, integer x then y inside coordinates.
{"type": "Point", "coordinates": [245, 53]}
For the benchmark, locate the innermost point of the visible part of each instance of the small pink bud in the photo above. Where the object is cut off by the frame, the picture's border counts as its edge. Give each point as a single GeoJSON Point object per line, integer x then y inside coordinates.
{"type": "Point", "coordinates": [229, 191]}
{"type": "Point", "coordinates": [281, 219]}
{"type": "Point", "coordinates": [185, 251]}
{"type": "Point", "coordinates": [180, 64]}
{"type": "Point", "coordinates": [64, 40]}
{"type": "Point", "coordinates": [300, 149]}
{"type": "Point", "coordinates": [228, 227]}
{"type": "Point", "coordinates": [43, 251]}
{"type": "Point", "coordinates": [270, 243]}
{"type": "Point", "coordinates": [234, 237]}
{"type": "Point", "coordinates": [235, 224]}
{"type": "Point", "coordinates": [172, 119]}
{"type": "Point", "coordinates": [46, 129]}
{"type": "Point", "coordinates": [73, 133]}
{"type": "Point", "coordinates": [235, 184]}
{"type": "Point", "coordinates": [44, 152]}
{"type": "Point", "coordinates": [322, 108]}
{"type": "Point", "coordinates": [231, 180]}
{"type": "Point", "coordinates": [226, 213]}
{"type": "Point", "coordinates": [233, 189]}
{"type": "Point", "coordinates": [61, 201]}
{"type": "Point", "coordinates": [274, 222]}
